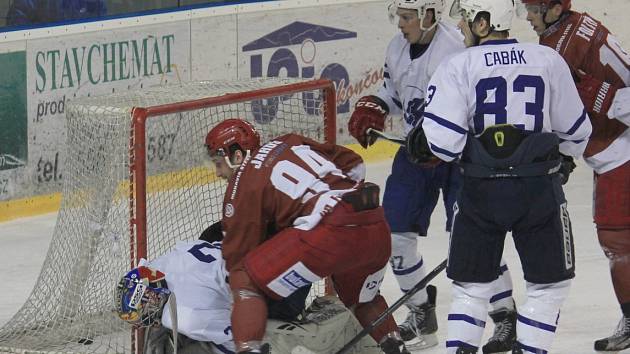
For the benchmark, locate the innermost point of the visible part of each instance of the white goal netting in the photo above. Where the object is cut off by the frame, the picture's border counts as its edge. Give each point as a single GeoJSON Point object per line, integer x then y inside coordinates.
{"type": "Point", "coordinates": [136, 184]}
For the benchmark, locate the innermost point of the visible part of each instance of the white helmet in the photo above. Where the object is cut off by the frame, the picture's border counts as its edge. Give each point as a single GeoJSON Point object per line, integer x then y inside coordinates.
{"type": "Point", "coordinates": [421, 6]}
{"type": "Point", "coordinates": [501, 11]}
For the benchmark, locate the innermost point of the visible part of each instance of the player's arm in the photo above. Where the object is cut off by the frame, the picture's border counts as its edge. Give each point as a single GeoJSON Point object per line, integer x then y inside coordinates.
{"type": "Point", "coordinates": [569, 119]}
{"type": "Point", "coordinates": [601, 70]}
{"type": "Point", "coordinates": [444, 123]}
{"type": "Point", "coordinates": [244, 223]}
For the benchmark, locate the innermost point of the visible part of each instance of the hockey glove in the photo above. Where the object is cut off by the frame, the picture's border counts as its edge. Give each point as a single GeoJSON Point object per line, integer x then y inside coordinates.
{"type": "Point", "coordinates": [418, 148]}
{"type": "Point", "coordinates": [597, 95]}
{"type": "Point", "coordinates": [369, 112]}
{"type": "Point", "coordinates": [213, 233]}
{"type": "Point", "coordinates": [566, 167]}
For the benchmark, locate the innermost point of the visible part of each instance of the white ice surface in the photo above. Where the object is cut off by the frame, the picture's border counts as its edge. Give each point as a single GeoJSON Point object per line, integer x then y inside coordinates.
{"type": "Point", "coordinates": [590, 312]}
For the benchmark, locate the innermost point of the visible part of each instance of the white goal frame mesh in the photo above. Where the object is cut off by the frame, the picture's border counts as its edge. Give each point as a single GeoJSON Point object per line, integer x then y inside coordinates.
{"type": "Point", "coordinates": [136, 184]}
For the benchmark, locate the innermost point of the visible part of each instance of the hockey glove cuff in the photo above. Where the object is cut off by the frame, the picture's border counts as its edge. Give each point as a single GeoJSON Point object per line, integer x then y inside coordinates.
{"type": "Point", "coordinates": [418, 148]}
{"type": "Point", "coordinates": [369, 112]}
{"type": "Point", "coordinates": [566, 167]}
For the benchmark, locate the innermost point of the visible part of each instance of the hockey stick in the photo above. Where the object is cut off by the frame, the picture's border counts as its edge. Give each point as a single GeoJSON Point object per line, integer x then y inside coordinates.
{"type": "Point", "coordinates": [419, 286]}
{"type": "Point", "coordinates": [382, 135]}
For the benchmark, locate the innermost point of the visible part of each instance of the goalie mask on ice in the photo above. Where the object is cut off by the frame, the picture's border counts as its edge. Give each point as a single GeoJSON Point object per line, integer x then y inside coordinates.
{"type": "Point", "coordinates": [140, 296]}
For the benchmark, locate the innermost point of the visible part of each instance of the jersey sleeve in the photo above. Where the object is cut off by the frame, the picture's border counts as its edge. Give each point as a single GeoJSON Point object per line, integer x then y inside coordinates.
{"type": "Point", "coordinates": [243, 220]}
{"type": "Point", "coordinates": [388, 92]}
{"type": "Point", "coordinates": [569, 119]}
{"type": "Point", "coordinates": [445, 119]}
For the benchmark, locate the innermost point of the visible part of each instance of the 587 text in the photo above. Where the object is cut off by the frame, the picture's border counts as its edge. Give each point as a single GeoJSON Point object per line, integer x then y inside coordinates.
{"type": "Point", "coordinates": [160, 146]}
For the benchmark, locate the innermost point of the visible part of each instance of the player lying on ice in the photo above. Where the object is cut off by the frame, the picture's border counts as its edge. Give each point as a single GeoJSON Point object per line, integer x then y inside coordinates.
{"type": "Point", "coordinates": [195, 273]}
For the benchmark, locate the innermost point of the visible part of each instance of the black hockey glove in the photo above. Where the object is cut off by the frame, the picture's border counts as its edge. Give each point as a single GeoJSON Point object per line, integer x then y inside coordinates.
{"type": "Point", "coordinates": [566, 167]}
{"type": "Point", "coordinates": [213, 233]}
{"type": "Point", "coordinates": [418, 148]}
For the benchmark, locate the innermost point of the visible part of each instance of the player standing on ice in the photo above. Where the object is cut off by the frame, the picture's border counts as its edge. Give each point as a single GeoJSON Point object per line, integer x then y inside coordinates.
{"type": "Point", "coordinates": [328, 219]}
{"type": "Point", "coordinates": [601, 68]}
{"type": "Point", "coordinates": [507, 111]}
{"type": "Point", "coordinates": [413, 189]}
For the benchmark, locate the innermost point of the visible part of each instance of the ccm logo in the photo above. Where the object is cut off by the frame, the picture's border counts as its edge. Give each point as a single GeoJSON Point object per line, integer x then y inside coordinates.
{"type": "Point", "coordinates": [371, 105]}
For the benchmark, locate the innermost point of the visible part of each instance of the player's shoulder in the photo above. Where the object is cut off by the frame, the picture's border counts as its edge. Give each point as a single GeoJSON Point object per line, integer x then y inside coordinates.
{"type": "Point", "coordinates": [396, 44]}
{"type": "Point", "coordinates": [451, 34]}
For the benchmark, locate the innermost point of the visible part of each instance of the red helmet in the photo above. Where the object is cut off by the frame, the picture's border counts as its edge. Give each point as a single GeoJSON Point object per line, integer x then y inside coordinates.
{"type": "Point", "coordinates": [566, 4]}
{"type": "Point", "coordinates": [229, 132]}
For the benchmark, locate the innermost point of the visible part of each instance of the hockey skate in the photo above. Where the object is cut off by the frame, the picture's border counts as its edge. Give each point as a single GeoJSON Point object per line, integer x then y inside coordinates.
{"type": "Point", "coordinates": [466, 350]}
{"type": "Point", "coordinates": [504, 332]}
{"type": "Point", "coordinates": [420, 326]}
{"type": "Point", "coordinates": [620, 340]}
{"type": "Point", "coordinates": [264, 349]}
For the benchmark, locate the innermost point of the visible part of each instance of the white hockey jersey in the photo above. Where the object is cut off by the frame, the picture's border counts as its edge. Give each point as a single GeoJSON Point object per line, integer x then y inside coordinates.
{"type": "Point", "coordinates": [503, 82]}
{"type": "Point", "coordinates": [406, 79]}
{"type": "Point", "coordinates": [195, 272]}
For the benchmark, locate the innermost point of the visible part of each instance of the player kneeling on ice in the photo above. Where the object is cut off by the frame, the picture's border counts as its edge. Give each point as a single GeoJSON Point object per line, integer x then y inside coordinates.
{"type": "Point", "coordinates": [507, 111]}
{"type": "Point", "coordinates": [328, 223]}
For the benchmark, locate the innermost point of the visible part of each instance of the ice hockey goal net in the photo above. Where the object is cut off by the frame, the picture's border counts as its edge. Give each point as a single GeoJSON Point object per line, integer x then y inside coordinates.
{"type": "Point", "coordinates": [136, 184]}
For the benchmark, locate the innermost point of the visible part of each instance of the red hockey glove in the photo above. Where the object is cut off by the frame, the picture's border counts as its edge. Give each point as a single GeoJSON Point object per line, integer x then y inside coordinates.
{"type": "Point", "coordinates": [597, 95]}
{"type": "Point", "coordinates": [369, 112]}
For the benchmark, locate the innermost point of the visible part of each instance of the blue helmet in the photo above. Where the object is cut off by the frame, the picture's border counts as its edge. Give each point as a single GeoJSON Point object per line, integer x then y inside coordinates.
{"type": "Point", "coordinates": [140, 296]}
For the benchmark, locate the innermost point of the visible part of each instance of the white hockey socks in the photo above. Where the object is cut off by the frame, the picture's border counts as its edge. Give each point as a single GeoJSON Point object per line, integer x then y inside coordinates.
{"type": "Point", "coordinates": [407, 265]}
{"type": "Point", "coordinates": [467, 316]}
{"type": "Point", "coordinates": [538, 317]}
{"type": "Point", "coordinates": [502, 287]}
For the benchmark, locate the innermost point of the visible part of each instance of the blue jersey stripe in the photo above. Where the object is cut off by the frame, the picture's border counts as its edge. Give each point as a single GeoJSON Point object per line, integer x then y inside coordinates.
{"type": "Point", "coordinates": [577, 123]}
{"type": "Point", "coordinates": [443, 151]}
{"type": "Point", "coordinates": [445, 123]}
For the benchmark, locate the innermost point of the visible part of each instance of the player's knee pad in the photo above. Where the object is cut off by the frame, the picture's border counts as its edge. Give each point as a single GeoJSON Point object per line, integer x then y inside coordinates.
{"type": "Point", "coordinates": [615, 243]}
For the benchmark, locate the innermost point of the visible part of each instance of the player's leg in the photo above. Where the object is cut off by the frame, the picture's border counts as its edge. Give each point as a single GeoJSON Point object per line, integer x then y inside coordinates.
{"type": "Point", "coordinates": [358, 285]}
{"type": "Point", "coordinates": [473, 264]}
{"type": "Point", "coordinates": [409, 200]}
{"type": "Point", "coordinates": [544, 241]}
{"type": "Point", "coordinates": [503, 314]}
{"type": "Point", "coordinates": [612, 216]}
{"type": "Point", "coordinates": [502, 307]}
{"type": "Point", "coordinates": [249, 313]}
